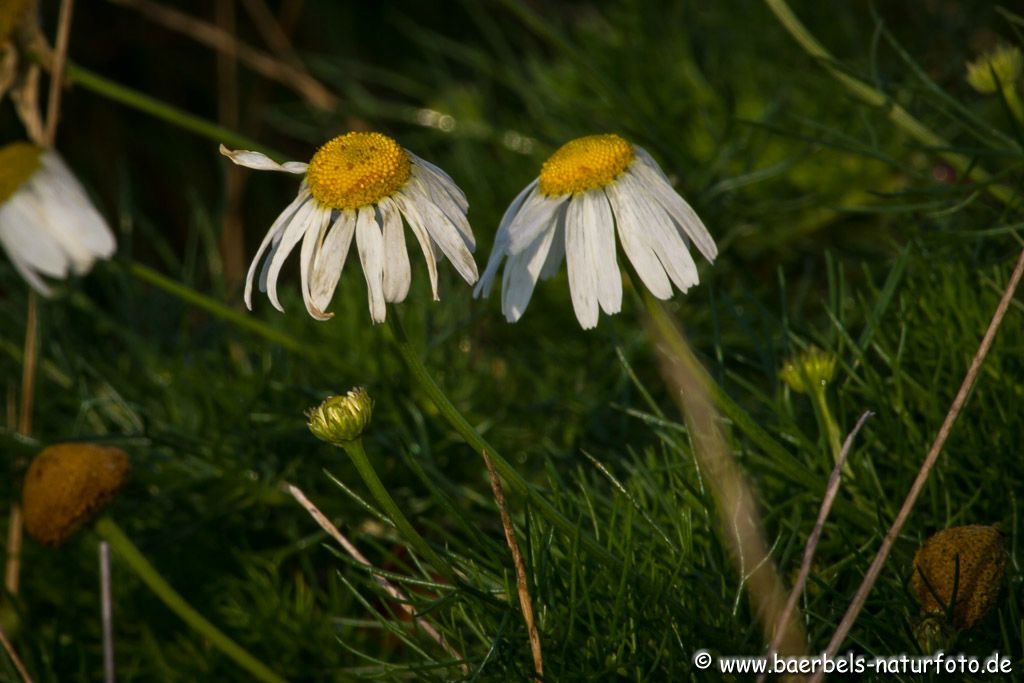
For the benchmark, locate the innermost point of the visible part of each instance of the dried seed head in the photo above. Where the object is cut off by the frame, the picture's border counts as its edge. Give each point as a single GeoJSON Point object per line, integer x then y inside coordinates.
{"type": "Point", "coordinates": [970, 559]}
{"type": "Point", "coordinates": [67, 484]}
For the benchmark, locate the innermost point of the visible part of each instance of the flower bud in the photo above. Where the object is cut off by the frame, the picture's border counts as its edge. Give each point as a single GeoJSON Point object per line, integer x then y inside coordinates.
{"type": "Point", "coordinates": [341, 419]}
{"type": "Point", "coordinates": [812, 367]}
{"type": "Point", "coordinates": [66, 485]}
{"type": "Point", "coordinates": [1004, 61]}
{"type": "Point", "coordinates": [968, 559]}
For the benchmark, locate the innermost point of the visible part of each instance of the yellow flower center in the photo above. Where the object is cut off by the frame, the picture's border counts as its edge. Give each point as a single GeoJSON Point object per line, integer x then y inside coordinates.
{"type": "Point", "coordinates": [584, 164]}
{"type": "Point", "coordinates": [357, 169]}
{"type": "Point", "coordinates": [18, 161]}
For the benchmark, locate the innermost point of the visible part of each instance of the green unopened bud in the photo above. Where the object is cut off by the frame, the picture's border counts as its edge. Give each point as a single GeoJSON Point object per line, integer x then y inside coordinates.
{"type": "Point", "coordinates": [1003, 64]}
{"type": "Point", "coordinates": [811, 368]}
{"type": "Point", "coordinates": [341, 419]}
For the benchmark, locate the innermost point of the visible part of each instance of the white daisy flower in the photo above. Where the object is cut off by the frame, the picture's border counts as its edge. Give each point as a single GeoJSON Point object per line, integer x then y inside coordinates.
{"type": "Point", "coordinates": [48, 226]}
{"type": "Point", "coordinates": [588, 190]}
{"type": "Point", "coordinates": [362, 185]}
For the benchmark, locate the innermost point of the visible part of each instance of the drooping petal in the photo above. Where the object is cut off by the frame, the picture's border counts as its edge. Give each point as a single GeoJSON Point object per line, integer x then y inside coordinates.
{"type": "Point", "coordinates": [397, 271]}
{"type": "Point", "coordinates": [657, 185]}
{"type": "Point", "coordinates": [600, 227]}
{"type": "Point", "coordinates": [70, 215]}
{"type": "Point", "coordinates": [330, 260]}
{"type": "Point", "coordinates": [370, 243]}
{"type": "Point", "coordinates": [581, 266]}
{"type": "Point", "coordinates": [638, 250]}
{"type": "Point", "coordinates": [534, 217]}
{"type": "Point", "coordinates": [522, 272]}
{"type": "Point", "coordinates": [447, 195]}
{"type": "Point", "coordinates": [261, 162]}
{"type": "Point", "coordinates": [25, 241]}
{"type": "Point", "coordinates": [311, 242]}
{"type": "Point", "coordinates": [274, 232]}
{"type": "Point", "coordinates": [308, 217]}
{"type": "Point", "coordinates": [661, 235]}
{"type": "Point", "coordinates": [426, 244]}
{"type": "Point", "coordinates": [499, 250]}
{"type": "Point", "coordinates": [416, 207]}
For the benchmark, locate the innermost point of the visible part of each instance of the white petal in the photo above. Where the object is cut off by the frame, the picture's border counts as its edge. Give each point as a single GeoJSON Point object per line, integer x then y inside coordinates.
{"type": "Point", "coordinates": [426, 244]}
{"type": "Point", "coordinates": [446, 181]}
{"type": "Point", "coordinates": [272, 234]}
{"type": "Point", "coordinates": [261, 162]}
{"type": "Point", "coordinates": [71, 216]}
{"type": "Point", "coordinates": [535, 216]}
{"type": "Point", "coordinates": [661, 235]}
{"type": "Point", "coordinates": [443, 191]}
{"type": "Point", "coordinates": [311, 243]}
{"type": "Point", "coordinates": [308, 217]}
{"type": "Point", "coordinates": [500, 248]}
{"type": "Point", "coordinates": [638, 250]}
{"type": "Point", "coordinates": [523, 270]}
{"type": "Point", "coordinates": [397, 271]}
{"type": "Point", "coordinates": [370, 243]}
{"type": "Point", "coordinates": [600, 228]}
{"type": "Point", "coordinates": [655, 183]}
{"type": "Point", "coordinates": [581, 265]}
{"type": "Point", "coordinates": [330, 260]}
{"type": "Point", "coordinates": [416, 207]}
{"type": "Point", "coordinates": [27, 242]}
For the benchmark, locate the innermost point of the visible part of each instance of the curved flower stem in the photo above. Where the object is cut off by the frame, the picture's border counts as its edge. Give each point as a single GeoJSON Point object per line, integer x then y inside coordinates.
{"type": "Point", "coordinates": [873, 97]}
{"type": "Point", "coordinates": [477, 442]}
{"type": "Point", "coordinates": [831, 428]}
{"type": "Point", "coordinates": [362, 462]}
{"type": "Point", "coordinates": [110, 532]}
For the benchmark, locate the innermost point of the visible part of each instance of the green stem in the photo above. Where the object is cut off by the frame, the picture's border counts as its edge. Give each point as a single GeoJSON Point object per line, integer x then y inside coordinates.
{"type": "Point", "coordinates": [191, 296]}
{"type": "Point", "coordinates": [359, 458]}
{"type": "Point", "coordinates": [512, 477]}
{"type": "Point", "coordinates": [126, 550]}
{"type": "Point", "coordinates": [831, 428]}
{"type": "Point", "coordinates": [871, 96]}
{"type": "Point", "coordinates": [161, 110]}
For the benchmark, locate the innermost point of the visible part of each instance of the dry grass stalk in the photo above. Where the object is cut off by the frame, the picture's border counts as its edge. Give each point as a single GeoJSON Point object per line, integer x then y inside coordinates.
{"type": "Point", "coordinates": [391, 589]}
{"type": "Point", "coordinates": [517, 560]}
{"type": "Point", "coordinates": [262, 63]}
{"type": "Point", "coordinates": [741, 529]}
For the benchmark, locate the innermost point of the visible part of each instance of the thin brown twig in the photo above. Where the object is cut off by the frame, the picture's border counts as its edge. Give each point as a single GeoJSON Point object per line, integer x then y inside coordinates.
{"type": "Point", "coordinates": [57, 74]}
{"type": "Point", "coordinates": [107, 614]}
{"type": "Point", "coordinates": [831, 490]}
{"type": "Point", "coordinates": [860, 597]}
{"type": "Point", "coordinates": [259, 61]}
{"type": "Point", "coordinates": [517, 560]}
{"type": "Point", "coordinates": [391, 589]}
{"type": "Point", "coordinates": [9, 648]}
{"type": "Point", "coordinates": [30, 358]}
{"type": "Point", "coordinates": [274, 35]}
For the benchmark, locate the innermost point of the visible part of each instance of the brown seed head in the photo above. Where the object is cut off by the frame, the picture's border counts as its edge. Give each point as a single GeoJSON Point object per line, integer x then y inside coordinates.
{"type": "Point", "coordinates": [973, 558]}
{"type": "Point", "coordinates": [68, 483]}
{"type": "Point", "coordinates": [11, 12]}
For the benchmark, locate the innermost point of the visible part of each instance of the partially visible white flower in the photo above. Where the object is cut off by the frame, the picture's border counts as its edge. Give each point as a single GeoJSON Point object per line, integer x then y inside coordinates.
{"type": "Point", "coordinates": [362, 185]}
{"type": "Point", "coordinates": [48, 226]}
{"type": "Point", "coordinates": [588, 190]}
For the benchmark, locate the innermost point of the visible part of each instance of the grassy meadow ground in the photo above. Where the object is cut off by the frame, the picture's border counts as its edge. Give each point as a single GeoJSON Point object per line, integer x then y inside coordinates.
{"type": "Point", "coordinates": [836, 227]}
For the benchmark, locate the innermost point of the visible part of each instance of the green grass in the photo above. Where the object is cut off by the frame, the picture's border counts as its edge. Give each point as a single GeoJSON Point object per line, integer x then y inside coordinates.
{"type": "Point", "coordinates": [835, 228]}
